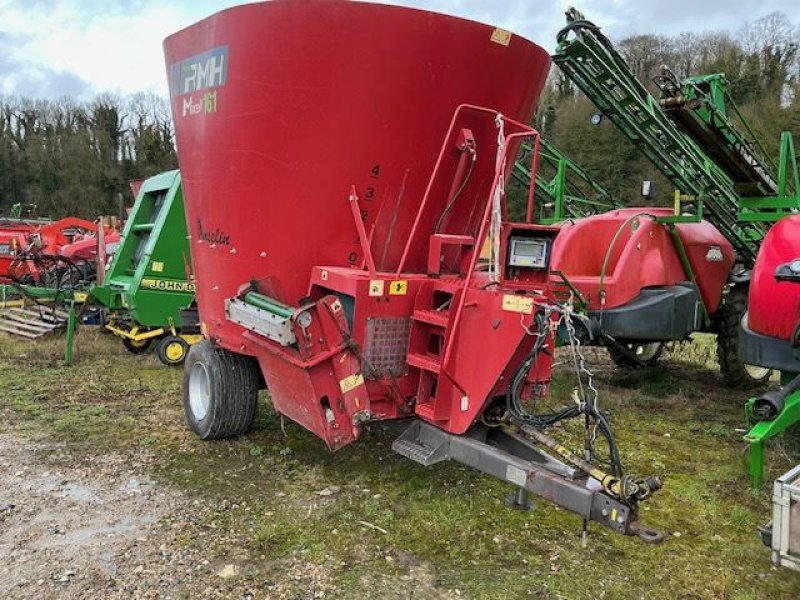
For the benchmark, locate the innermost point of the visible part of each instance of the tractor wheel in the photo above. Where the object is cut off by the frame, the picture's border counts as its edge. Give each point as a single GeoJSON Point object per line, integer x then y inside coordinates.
{"type": "Point", "coordinates": [172, 350]}
{"type": "Point", "coordinates": [137, 346]}
{"type": "Point", "coordinates": [81, 272]}
{"type": "Point", "coordinates": [735, 373]}
{"type": "Point", "coordinates": [646, 353]}
{"type": "Point", "coordinates": [220, 391]}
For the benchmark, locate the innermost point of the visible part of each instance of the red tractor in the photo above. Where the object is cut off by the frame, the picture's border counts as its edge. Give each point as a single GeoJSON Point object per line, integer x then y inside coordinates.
{"type": "Point", "coordinates": [770, 336]}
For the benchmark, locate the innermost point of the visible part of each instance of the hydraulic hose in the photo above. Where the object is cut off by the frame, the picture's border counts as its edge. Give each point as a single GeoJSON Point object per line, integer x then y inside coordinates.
{"type": "Point", "coordinates": [458, 193]}
{"type": "Point", "coordinates": [540, 421]}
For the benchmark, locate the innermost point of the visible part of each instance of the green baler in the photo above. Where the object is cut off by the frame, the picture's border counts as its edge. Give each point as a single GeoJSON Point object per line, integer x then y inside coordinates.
{"type": "Point", "coordinates": [148, 289]}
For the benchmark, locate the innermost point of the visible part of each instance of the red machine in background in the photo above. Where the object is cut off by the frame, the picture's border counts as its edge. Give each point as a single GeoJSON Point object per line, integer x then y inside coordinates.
{"type": "Point", "coordinates": [42, 253]}
{"type": "Point", "coordinates": [770, 337]}
{"type": "Point", "coordinates": [637, 283]}
{"type": "Point", "coordinates": [771, 329]}
{"type": "Point", "coordinates": [343, 164]}
{"type": "Point", "coordinates": [13, 239]}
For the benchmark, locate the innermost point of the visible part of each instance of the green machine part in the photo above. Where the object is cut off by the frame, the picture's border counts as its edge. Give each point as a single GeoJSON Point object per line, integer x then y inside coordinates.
{"type": "Point", "coordinates": [149, 276]}
{"type": "Point", "coordinates": [703, 110]}
{"type": "Point", "coordinates": [762, 431]}
{"type": "Point", "coordinates": [563, 189]}
{"type": "Point", "coordinates": [697, 161]}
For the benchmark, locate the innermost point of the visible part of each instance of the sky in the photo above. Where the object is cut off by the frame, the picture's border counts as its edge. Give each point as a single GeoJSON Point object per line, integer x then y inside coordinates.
{"type": "Point", "coordinates": [79, 48]}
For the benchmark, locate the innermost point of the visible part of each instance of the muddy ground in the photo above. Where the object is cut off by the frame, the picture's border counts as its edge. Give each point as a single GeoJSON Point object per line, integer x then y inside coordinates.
{"type": "Point", "coordinates": [104, 494]}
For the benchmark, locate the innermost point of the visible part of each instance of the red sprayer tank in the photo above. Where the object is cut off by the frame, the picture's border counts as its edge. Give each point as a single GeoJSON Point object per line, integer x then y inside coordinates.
{"type": "Point", "coordinates": [281, 106]}
{"type": "Point", "coordinates": [611, 257]}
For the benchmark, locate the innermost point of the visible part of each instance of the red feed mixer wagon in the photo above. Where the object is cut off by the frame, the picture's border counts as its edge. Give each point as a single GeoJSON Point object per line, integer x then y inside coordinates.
{"type": "Point", "coordinates": [342, 164]}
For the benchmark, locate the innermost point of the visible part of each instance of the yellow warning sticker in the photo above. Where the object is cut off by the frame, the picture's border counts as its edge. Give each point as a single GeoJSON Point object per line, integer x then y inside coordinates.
{"type": "Point", "coordinates": [501, 36]}
{"type": "Point", "coordinates": [157, 267]}
{"type": "Point", "coordinates": [517, 304]}
{"type": "Point", "coordinates": [167, 285]}
{"type": "Point", "coordinates": [350, 383]}
{"type": "Point", "coordinates": [376, 287]}
{"type": "Point", "coordinates": [398, 288]}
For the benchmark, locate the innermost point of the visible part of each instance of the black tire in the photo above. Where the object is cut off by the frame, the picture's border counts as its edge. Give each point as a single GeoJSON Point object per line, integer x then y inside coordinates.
{"type": "Point", "coordinates": [79, 273]}
{"type": "Point", "coordinates": [647, 353]}
{"type": "Point", "coordinates": [135, 347]}
{"type": "Point", "coordinates": [52, 277]}
{"type": "Point", "coordinates": [172, 350]}
{"type": "Point", "coordinates": [735, 373]}
{"type": "Point", "coordinates": [220, 392]}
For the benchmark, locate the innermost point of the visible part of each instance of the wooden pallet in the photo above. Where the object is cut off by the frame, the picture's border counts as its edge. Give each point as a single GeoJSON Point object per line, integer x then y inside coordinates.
{"type": "Point", "coordinates": [31, 322]}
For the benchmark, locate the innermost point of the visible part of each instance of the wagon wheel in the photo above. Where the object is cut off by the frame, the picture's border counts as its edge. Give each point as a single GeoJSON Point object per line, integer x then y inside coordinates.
{"type": "Point", "coordinates": [220, 391]}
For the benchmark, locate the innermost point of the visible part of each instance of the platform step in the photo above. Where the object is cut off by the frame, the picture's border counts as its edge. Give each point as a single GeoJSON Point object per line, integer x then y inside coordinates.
{"type": "Point", "coordinates": [421, 446]}
{"type": "Point", "coordinates": [448, 238]}
{"type": "Point", "coordinates": [426, 362]}
{"type": "Point", "coordinates": [432, 317]}
{"type": "Point", "coordinates": [448, 284]}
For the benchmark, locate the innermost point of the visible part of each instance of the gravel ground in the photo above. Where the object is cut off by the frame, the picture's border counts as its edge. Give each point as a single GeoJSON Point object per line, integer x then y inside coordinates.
{"type": "Point", "coordinates": [100, 527]}
{"type": "Point", "coordinates": [77, 525]}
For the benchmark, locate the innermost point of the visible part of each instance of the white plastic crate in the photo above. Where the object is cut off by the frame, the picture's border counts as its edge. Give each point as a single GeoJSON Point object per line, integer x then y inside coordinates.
{"type": "Point", "coordinates": [786, 520]}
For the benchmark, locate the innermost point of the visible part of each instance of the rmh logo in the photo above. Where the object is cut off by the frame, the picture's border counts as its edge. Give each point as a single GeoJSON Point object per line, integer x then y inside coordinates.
{"type": "Point", "coordinates": [206, 70]}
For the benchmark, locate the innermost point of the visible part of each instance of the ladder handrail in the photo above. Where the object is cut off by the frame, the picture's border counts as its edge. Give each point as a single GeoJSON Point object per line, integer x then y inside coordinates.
{"type": "Point", "coordinates": [526, 132]}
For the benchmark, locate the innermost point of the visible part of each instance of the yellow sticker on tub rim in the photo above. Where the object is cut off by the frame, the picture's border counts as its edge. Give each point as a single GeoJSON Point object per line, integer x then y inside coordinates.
{"type": "Point", "coordinates": [398, 288]}
{"type": "Point", "coordinates": [501, 36]}
{"type": "Point", "coordinates": [350, 383]}
{"type": "Point", "coordinates": [517, 304]}
{"type": "Point", "coordinates": [376, 287]}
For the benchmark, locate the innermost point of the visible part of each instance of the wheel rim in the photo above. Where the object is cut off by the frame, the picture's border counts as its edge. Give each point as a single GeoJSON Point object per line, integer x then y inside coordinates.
{"type": "Point", "coordinates": [174, 351]}
{"type": "Point", "coordinates": [755, 372]}
{"type": "Point", "coordinates": [645, 352]}
{"type": "Point", "coordinates": [199, 391]}
{"type": "Point", "coordinates": [138, 343]}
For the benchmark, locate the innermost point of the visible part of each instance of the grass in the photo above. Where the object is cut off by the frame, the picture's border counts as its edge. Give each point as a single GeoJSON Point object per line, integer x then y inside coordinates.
{"type": "Point", "coordinates": [388, 517]}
